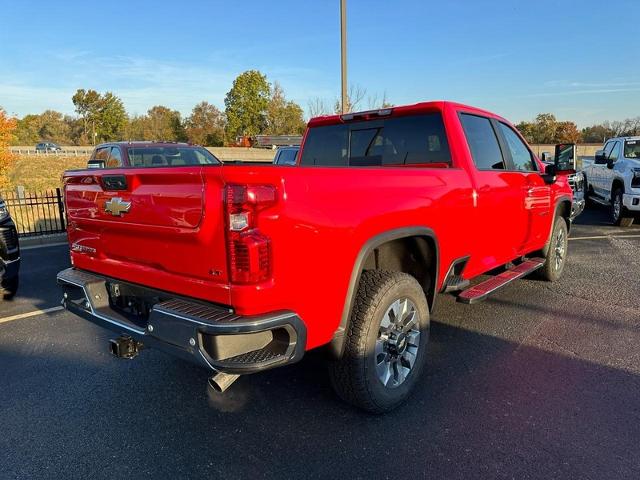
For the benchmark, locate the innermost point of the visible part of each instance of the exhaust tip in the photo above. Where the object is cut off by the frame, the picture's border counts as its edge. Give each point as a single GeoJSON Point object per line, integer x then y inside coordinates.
{"type": "Point", "coordinates": [220, 382]}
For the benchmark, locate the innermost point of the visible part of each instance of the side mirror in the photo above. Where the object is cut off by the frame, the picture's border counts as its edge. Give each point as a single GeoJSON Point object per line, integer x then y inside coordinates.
{"type": "Point", "coordinates": [550, 174]}
{"type": "Point", "coordinates": [600, 159]}
{"type": "Point", "coordinates": [547, 157]}
{"type": "Point", "coordinates": [565, 158]}
{"type": "Point", "coordinates": [610, 163]}
{"type": "Point", "coordinates": [95, 164]}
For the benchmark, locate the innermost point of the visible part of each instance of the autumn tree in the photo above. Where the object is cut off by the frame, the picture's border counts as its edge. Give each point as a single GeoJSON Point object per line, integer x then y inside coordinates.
{"type": "Point", "coordinates": [205, 125]}
{"type": "Point", "coordinates": [246, 104]}
{"type": "Point", "coordinates": [284, 117]}
{"type": "Point", "coordinates": [546, 129]}
{"type": "Point", "coordinates": [7, 127]}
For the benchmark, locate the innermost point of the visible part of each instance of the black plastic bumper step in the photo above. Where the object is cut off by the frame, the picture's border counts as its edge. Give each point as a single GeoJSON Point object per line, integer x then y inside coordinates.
{"type": "Point", "coordinates": [479, 292]}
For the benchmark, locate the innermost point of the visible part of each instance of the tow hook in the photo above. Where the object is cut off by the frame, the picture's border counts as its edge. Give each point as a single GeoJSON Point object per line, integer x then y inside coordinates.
{"type": "Point", "coordinates": [221, 381]}
{"type": "Point", "coordinates": [124, 347]}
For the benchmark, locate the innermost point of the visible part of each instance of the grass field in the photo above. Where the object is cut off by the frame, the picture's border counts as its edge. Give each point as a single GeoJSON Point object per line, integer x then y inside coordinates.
{"type": "Point", "coordinates": [40, 173]}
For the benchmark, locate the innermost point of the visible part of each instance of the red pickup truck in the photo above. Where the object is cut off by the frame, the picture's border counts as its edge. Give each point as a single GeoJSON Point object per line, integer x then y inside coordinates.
{"type": "Point", "coordinates": [242, 268]}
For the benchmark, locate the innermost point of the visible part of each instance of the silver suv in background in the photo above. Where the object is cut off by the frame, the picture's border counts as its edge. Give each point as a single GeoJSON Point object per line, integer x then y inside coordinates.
{"type": "Point", "coordinates": [613, 179]}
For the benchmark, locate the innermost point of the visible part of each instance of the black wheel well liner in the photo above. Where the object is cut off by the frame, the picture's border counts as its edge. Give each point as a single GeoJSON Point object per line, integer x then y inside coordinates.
{"type": "Point", "coordinates": [396, 250]}
{"type": "Point", "coordinates": [616, 183]}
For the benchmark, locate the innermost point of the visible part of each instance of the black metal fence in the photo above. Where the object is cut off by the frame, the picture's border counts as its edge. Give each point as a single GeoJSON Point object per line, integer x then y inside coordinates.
{"type": "Point", "coordinates": [34, 214]}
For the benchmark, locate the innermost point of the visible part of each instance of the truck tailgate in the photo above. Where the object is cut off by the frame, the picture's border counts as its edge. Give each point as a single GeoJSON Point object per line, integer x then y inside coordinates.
{"type": "Point", "coordinates": [160, 227]}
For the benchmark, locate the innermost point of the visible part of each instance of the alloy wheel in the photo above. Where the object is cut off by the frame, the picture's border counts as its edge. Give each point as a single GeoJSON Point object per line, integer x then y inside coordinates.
{"type": "Point", "coordinates": [397, 344]}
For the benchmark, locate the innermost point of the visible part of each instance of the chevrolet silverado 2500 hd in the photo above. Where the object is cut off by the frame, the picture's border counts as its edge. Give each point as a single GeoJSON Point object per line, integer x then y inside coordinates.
{"type": "Point", "coordinates": [241, 268]}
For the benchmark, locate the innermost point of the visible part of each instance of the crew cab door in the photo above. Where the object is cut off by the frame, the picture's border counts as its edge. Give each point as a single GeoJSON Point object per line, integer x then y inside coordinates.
{"type": "Point", "coordinates": [498, 197]}
{"type": "Point", "coordinates": [608, 174]}
{"type": "Point", "coordinates": [536, 194]}
{"type": "Point", "coordinates": [597, 171]}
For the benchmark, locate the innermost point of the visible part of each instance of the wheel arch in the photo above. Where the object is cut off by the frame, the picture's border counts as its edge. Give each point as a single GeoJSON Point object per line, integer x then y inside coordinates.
{"type": "Point", "coordinates": [617, 182]}
{"type": "Point", "coordinates": [387, 251]}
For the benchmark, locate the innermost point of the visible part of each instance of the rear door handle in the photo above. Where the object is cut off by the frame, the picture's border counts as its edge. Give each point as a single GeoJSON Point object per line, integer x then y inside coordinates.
{"type": "Point", "coordinates": [114, 182]}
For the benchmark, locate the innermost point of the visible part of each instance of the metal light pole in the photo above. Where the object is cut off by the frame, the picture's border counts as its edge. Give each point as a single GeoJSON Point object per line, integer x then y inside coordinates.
{"type": "Point", "coordinates": [343, 53]}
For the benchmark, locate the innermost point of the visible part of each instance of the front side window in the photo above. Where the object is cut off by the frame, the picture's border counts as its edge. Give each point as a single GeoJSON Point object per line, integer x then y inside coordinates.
{"type": "Point", "coordinates": [520, 154]}
{"type": "Point", "coordinates": [115, 159]}
{"type": "Point", "coordinates": [482, 141]}
{"type": "Point", "coordinates": [409, 140]}
{"type": "Point", "coordinates": [615, 151]}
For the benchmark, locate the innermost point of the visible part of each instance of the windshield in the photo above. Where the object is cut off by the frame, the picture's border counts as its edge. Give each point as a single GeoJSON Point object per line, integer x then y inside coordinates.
{"type": "Point", "coordinates": [170, 156]}
{"type": "Point", "coordinates": [632, 149]}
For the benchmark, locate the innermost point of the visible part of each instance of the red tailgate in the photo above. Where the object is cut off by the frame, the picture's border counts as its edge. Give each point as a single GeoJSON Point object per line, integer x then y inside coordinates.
{"type": "Point", "coordinates": [161, 227]}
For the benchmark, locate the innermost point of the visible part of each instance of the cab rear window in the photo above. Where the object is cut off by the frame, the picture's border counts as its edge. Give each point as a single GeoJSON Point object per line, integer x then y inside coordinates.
{"type": "Point", "coordinates": [409, 140]}
{"type": "Point", "coordinates": [170, 156]}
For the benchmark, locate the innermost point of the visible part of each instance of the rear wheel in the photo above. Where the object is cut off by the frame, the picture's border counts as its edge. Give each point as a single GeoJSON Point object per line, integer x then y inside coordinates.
{"type": "Point", "coordinates": [386, 343]}
{"type": "Point", "coordinates": [619, 214]}
{"type": "Point", "coordinates": [9, 288]}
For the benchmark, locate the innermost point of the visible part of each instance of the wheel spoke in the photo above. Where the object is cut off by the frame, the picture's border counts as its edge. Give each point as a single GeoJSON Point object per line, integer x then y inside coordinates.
{"type": "Point", "coordinates": [384, 372]}
{"type": "Point", "coordinates": [408, 359]}
{"type": "Point", "coordinates": [413, 338]}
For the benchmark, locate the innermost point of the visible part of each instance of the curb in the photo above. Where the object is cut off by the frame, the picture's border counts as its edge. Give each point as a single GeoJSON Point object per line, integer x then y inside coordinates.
{"type": "Point", "coordinates": [26, 242]}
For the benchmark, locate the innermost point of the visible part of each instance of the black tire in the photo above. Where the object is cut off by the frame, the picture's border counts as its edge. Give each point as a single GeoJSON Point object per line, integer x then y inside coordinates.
{"type": "Point", "coordinates": [355, 377]}
{"type": "Point", "coordinates": [620, 216]}
{"type": "Point", "coordinates": [9, 287]}
{"type": "Point", "coordinates": [555, 253]}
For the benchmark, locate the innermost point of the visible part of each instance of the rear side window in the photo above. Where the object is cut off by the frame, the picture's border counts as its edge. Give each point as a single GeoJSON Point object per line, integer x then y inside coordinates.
{"type": "Point", "coordinates": [102, 154]}
{"type": "Point", "coordinates": [410, 140]}
{"type": "Point", "coordinates": [520, 154]}
{"type": "Point", "coordinates": [482, 141]}
{"type": "Point", "coordinates": [632, 149]}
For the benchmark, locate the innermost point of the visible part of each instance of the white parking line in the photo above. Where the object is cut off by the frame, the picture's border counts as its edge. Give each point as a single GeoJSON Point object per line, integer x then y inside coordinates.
{"type": "Point", "coordinates": [605, 236]}
{"type": "Point", "coordinates": [30, 314]}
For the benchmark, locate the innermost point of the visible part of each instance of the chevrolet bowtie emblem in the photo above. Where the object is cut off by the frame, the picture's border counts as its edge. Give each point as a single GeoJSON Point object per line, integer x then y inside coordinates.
{"type": "Point", "coordinates": [117, 207]}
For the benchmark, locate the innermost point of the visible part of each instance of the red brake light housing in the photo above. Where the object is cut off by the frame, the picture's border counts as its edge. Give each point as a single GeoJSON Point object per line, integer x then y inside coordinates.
{"type": "Point", "coordinates": [249, 249]}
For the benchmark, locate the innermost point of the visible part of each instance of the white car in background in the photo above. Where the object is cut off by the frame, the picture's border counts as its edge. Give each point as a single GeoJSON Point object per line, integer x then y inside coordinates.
{"type": "Point", "coordinates": [613, 179]}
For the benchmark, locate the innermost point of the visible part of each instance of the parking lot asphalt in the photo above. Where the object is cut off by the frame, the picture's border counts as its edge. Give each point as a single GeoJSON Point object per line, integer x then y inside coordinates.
{"type": "Point", "coordinates": [540, 381]}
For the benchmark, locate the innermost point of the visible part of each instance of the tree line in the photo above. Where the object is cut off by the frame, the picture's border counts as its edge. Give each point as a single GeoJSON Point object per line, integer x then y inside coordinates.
{"type": "Point", "coordinates": [252, 106]}
{"type": "Point", "coordinates": [545, 129]}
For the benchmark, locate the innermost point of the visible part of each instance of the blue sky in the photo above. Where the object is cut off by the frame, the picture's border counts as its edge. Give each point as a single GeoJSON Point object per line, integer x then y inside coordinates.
{"type": "Point", "coordinates": [577, 59]}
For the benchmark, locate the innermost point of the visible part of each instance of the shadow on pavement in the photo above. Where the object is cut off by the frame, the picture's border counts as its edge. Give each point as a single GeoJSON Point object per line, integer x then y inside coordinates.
{"type": "Point", "coordinates": [486, 408]}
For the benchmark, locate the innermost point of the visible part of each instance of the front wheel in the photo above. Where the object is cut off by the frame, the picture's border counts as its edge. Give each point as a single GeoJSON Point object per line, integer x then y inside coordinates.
{"type": "Point", "coordinates": [619, 214]}
{"type": "Point", "coordinates": [386, 342]}
{"type": "Point", "coordinates": [556, 252]}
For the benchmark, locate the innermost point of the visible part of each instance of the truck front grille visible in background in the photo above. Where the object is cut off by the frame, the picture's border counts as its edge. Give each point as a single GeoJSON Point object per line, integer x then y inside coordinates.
{"type": "Point", "coordinates": [576, 181]}
{"type": "Point", "coordinates": [9, 238]}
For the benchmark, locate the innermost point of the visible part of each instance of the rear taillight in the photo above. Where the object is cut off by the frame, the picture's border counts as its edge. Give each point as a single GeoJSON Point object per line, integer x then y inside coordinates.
{"type": "Point", "coordinates": [249, 249]}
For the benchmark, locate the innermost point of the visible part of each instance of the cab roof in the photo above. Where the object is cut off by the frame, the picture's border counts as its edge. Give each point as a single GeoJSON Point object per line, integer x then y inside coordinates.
{"type": "Point", "coordinates": [416, 108]}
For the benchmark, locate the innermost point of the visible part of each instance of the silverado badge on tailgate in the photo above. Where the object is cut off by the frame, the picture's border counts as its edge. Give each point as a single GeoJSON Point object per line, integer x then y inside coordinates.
{"type": "Point", "coordinates": [117, 207]}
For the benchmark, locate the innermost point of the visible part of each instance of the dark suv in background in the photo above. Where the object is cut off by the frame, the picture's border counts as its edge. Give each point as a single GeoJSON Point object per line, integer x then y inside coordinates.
{"type": "Point", "coordinates": [9, 254]}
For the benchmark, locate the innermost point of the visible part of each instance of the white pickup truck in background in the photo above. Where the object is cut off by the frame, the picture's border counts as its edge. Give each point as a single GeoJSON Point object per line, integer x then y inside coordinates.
{"type": "Point", "coordinates": [613, 179]}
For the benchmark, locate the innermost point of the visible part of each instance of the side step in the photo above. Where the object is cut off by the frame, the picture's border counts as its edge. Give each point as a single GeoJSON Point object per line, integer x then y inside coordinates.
{"type": "Point", "coordinates": [479, 292]}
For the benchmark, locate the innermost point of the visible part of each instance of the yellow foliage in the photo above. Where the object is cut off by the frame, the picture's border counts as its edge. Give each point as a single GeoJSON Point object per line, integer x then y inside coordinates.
{"type": "Point", "coordinates": [7, 127]}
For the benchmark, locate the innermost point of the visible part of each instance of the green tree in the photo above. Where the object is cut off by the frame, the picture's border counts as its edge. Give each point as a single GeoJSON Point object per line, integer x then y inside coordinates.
{"type": "Point", "coordinates": [163, 124]}
{"type": "Point", "coordinates": [103, 115]}
{"type": "Point", "coordinates": [27, 130]}
{"type": "Point", "coordinates": [50, 126]}
{"type": "Point", "coordinates": [597, 133]}
{"type": "Point", "coordinates": [111, 118]}
{"type": "Point", "coordinates": [87, 103]}
{"type": "Point", "coordinates": [246, 104]}
{"type": "Point", "coordinates": [205, 125]}
{"type": "Point", "coordinates": [283, 117]}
